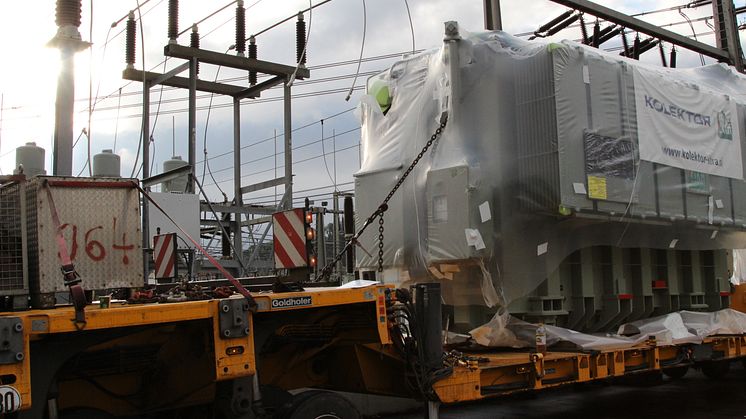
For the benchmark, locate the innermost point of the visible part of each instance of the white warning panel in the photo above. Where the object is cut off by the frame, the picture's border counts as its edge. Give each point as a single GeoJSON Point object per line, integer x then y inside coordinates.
{"type": "Point", "coordinates": [290, 239]}
{"type": "Point", "coordinates": [164, 256]}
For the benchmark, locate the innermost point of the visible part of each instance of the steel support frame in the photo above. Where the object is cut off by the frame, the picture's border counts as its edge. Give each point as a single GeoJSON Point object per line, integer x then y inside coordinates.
{"type": "Point", "coordinates": [726, 31]}
{"type": "Point", "coordinates": [646, 28]}
{"type": "Point", "coordinates": [282, 75]}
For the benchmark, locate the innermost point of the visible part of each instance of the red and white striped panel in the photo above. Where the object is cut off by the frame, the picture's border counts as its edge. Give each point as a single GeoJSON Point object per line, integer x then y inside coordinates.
{"type": "Point", "coordinates": [164, 254]}
{"type": "Point", "coordinates": [290, 239]}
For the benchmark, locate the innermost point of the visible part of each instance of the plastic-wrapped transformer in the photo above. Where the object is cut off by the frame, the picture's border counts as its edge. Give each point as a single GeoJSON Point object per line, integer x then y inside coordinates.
{"type": "Point", "coordinates": [569, 186]}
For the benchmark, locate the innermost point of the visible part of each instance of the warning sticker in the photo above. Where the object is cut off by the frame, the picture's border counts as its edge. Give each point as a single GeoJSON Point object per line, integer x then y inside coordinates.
{"type": "Point", "coordinates": [596, 187]}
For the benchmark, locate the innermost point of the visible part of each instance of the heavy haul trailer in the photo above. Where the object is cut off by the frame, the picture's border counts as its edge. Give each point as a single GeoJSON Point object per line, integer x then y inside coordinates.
{"type": "Point", "coordinates": [216, 357]}
{"type": "Point", "coordinates": [195, 358]}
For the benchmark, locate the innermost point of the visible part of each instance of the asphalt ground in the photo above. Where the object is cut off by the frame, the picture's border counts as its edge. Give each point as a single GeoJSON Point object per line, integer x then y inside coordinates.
{"type": "Point", "coordinates": [693, 396]}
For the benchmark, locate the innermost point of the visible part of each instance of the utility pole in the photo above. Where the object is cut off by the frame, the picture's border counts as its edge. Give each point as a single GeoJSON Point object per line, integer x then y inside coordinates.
{"type": "Point", "coordinates": [492, 17]}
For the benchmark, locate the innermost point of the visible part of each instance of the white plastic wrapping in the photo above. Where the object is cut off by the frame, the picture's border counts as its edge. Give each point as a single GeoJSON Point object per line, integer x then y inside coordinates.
{"type": "Point", "coordinates": [673, 328]}
{"type": "Point", "coordinates": [540, 160]}
{"type": "Point", "coordinates": [739, 267]}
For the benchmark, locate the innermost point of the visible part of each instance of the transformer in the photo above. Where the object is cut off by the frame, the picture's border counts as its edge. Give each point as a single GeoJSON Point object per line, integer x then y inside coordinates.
{"type": "Point", "coordinates": [570, 186]}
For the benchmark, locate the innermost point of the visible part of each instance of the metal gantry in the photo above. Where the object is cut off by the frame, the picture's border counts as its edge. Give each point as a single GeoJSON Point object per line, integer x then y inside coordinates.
{"type": "Point", "coordinates": [279, 75]}
{"type": "Point", "coordinates": [726, 27]}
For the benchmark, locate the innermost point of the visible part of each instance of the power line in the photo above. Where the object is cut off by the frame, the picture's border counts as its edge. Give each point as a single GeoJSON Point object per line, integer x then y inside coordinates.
{"type": "Point", "coordinates": [298, 147]}
{"type": "Point", "coordinates": [295, 162]}
{"type": "Point", "coordinates": [209, 95]}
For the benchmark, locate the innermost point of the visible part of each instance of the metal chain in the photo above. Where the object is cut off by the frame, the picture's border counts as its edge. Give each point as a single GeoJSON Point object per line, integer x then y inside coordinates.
{"type": "Point", "coordinates": [380, 243]}
{"type": "Point", "coordinates": [383, 208]}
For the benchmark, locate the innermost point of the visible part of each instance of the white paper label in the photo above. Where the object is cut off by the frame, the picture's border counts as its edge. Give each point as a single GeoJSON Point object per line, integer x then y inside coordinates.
{"type": "Point", "coordinates": [473, 238]}
{"type": "Point", "coordinates": [710, 209]}
{"type": "Point", "coordinates": [713, 235]}
{"type": "Point", "coordinates": [719, 204]}
{"type": "Point", "coordinates": [673, 243]}
{"type": "Point", "coordinates": [686, 127]}
{"type": "Point", "coordinates": [542, 248]}
{"type": "Point", "coordinates": [484, 212]}
{"type": "Point", "coordinates": [586, 75]}
{"type": "Point", "coordinates": [579, 188]}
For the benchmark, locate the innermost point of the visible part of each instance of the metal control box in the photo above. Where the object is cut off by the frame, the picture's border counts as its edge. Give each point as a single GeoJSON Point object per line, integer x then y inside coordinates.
{"type": "Point", "coordinates": [100, 221]}
{"type": "Point", "coordinates": [456, 228]}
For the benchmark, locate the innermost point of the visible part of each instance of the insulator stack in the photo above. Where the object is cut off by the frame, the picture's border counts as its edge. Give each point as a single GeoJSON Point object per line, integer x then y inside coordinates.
{"type": "Point", "coordinates": [583, 30]}
{"type": "Point", "coordinates": [625, 44]}
{"type": "Point", "coordinates": [240, 29]}
{"type": "Point", "coordinates": [194, 41]}
{"type": "Point", "coordinates": [68, 13]}
{"type": "Point", "coordinates": [663, 54]}
{"type": "Point", "coordinates": [252, 54]}
{"type": "Point", "coordinates": [636, 48]}
{"type": "Point", "coordinates": [672, 61]}
{"type": "Point", "coordinates": [596, 33]}
{"type": "Point", "coordinates": [130, 41]}
{"type": "Point", "coordinates": [173, 20]}
{"type": "Point", "coordinates": [300, 40]}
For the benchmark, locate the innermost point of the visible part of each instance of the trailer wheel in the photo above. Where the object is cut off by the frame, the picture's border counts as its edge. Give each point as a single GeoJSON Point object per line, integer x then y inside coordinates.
{"type": "Point", "coordinates": [676, 373]}
{"type": "Point", "coordinates": [715, 369]}
{"type": "Point", "coordinates": [321, 405]}
{"type": "Point", "coordinates": [85, 414]}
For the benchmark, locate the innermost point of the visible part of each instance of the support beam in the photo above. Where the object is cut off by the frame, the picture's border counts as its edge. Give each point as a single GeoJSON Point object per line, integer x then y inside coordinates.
{"type": "Point", "coordinates": [246, 209]}
{"type": "Point", "coordinates": [62, 151]}
{"type": "Point", "coordinates": [163, 77]}
{"type": "Point", "coordinates": [726, 31]}
{"type": "Point", "coordinates": [254, 91]}
{"type": "Point", "coordinates": [288, 128]}
{"type": "Point", "coordinates": [166, 176]}
{"type": "Point", "coordinates": [492, 16]}
{"type": "Point", "coordinates": [646, 28]}
{"type": "Point", "coordinates": [238, 200]}
{"type": "Point", "coordinates": [262, 185]}
{"type": "Point", "coordinates": [192, 121]}
{"type": "Point", "coordinates": [146, 172]}
{"type": "Point", "coordinates": [234, 61]}
{"type": "Point", "coordinates": [183, 82]}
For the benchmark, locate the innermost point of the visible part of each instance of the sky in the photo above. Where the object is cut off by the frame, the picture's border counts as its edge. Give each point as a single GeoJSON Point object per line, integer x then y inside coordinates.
{"type": "Point", "coordinates": [29, 71]}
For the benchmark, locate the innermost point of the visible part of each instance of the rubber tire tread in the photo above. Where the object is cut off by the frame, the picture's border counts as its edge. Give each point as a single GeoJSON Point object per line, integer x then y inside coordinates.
{"type": "Point", "coordinates": [715, 369]}
{"type": "Point", "coordinates": [676, 373]}
{"type": "Point", "coordinates": [315, 403]}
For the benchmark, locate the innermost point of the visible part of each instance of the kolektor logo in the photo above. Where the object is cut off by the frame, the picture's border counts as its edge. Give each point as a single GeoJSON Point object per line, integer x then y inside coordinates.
{"type": "Point", "coordinates": [725, 127]}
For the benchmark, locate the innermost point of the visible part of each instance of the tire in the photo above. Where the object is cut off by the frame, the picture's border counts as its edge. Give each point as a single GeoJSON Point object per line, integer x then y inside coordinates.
{"type": "Point", "coordinates": [676, 373]}
{"type": "Point", "coordinates": [715, 369]}
{"type": "Point", "coordinates": [321, 405]}
{"type": "Point", "coordinates": [85, 414]}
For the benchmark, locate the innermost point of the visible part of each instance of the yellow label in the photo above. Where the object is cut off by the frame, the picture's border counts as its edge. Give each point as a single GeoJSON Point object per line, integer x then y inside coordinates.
{"type": "Point", "coordinates": [596, 187]}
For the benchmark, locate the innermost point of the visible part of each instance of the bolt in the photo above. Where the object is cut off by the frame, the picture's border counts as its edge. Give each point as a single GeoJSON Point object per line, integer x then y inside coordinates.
{"type": "Point", "coordinates": [18, 327]}
{"type": "Point", "coordinates": [227, 333]}
{"type": "Point", "coordinates": [19, 356]}
{"type": "Point", "coordinates": [225, 308]}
